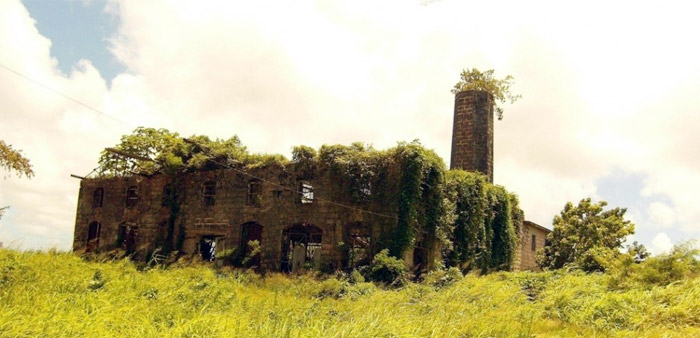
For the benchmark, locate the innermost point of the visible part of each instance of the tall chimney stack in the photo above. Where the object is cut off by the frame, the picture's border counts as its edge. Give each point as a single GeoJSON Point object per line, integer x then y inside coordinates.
{"type": "Point", "coordinates": [472, 132]}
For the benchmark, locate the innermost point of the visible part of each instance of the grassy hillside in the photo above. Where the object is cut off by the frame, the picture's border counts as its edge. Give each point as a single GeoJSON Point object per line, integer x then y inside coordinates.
{"type": "Point", "coordinates": [60, 295]}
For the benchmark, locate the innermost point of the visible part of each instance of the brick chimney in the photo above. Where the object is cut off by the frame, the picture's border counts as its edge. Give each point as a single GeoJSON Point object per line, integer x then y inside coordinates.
{"type": "Point", "coordinates": [472, 132]}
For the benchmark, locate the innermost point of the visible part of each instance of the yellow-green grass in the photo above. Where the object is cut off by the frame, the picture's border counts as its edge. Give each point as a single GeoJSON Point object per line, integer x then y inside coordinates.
{"type": "Point", "coordinates": [61, 295]}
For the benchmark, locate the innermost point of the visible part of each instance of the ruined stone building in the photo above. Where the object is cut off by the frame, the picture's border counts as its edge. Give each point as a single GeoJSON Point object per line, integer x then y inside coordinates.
{"type": "Point", "coordinates": [298, 220]}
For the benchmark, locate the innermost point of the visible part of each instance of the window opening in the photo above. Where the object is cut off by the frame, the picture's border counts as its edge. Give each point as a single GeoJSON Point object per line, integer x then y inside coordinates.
{"type": "Point", "coordinates": [301, 247]}
{"type": "Point", "coordinates": [254, 197]}
{"type": "Point", "coordinates": [360, 244]}
{"type": "Point", "coordinates": [93, 237]}
{"type": "Point", "coordinates": [533, 244]}
{"type": "Point", "coordinates": [306, 193]}
{"type": "Point", "coordinates": [169, 195]}
{"type": "Point", "coordinates": [132, 196]}
{"type": "Point", "coordinates": [207, 248]}
{"type": "Point", "coordinates": [209, 193]}
{"type": "Point", "coordinates": [97, 197]}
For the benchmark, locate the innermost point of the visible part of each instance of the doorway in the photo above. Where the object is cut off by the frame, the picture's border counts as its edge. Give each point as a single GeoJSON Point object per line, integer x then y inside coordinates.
{"type": "Point", "coordinates": [301, 247]}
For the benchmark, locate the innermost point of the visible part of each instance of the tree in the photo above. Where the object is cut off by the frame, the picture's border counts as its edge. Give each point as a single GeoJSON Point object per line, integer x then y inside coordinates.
{"type": "Point", "coordinates": [638, 251]}
{"type": "Point", "coordinates": [474, 79]}
{"type": "Point", "coordinates": [150, 150]}
{"type": "Point", "coordinates": [148, 144]}
{"type": "Point", "coordinates": [12, 160]}
{"type": "Point", "coordinates": [583, 231]}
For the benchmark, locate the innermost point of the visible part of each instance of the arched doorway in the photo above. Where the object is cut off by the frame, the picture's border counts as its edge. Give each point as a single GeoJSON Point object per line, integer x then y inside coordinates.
{"type": "Point", "coordinates": [250, 231]}
{"type": "Point", "coordinates": [301, 247]}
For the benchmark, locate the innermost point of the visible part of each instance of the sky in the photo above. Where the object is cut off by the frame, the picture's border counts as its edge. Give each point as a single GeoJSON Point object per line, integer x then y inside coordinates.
{"type": "Point", "coordinates": [609, 110]}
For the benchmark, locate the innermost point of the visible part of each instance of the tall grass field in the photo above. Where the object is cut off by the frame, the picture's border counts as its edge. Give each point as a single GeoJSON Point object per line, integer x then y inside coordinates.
{"type": "Point", "coordinates": [61, 295]}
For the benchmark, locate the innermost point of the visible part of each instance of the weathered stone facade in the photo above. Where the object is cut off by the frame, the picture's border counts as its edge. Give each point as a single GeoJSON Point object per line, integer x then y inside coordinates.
{"type": "Point", "coordinates": [472, 133]}
{"type": "Point", "coordinates": [532, 239]}
{"type": "Point", "coordinates": [274, 213]}
{"type": "Point", "coordinates": [299, 219]}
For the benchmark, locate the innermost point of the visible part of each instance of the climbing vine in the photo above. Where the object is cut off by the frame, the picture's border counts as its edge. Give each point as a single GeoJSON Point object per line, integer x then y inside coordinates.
{"type": "Point", "coordinates": [409, 194]}
{"type": "Point", "coordinates": [469, 234]}
{"type": "Point", "coordinates": [503, 240]}
{"type": "Point", "coordinates": [412, 198]}
{"type": "Point", "coordinates": [486, 225]}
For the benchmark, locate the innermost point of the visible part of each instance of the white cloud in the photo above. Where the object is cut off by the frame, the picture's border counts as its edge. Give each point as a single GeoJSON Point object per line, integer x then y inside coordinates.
{"type": "Point", "coordinates": [661, 214]}
{"type": "Point", "coordinates": [661, 244]}
{"type": "Point", "coordinates": [617, 94]}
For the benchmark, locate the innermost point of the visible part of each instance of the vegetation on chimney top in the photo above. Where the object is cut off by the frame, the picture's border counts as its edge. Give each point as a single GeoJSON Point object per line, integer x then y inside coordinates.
{"type": "Point", "coordinates": [475, 79]}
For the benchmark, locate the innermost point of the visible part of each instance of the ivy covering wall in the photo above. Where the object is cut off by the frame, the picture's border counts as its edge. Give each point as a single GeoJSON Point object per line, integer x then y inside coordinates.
{"type": "Point", "coordinates": [457, 218]}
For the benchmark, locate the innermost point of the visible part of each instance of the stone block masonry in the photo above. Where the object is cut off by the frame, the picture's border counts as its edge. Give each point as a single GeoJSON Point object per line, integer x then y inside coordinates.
{"type": "Point", "coordinates": [472, 133]}
{"type": "Point", "coordinates": [224, 207]}
{"type": "Point", "coordinates": [223, 210]}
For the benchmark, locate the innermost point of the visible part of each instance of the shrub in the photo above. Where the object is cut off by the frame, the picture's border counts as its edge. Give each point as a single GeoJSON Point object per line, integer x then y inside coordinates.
{"type": "Point", "coordinates": [626, 272]}
{"type": "Point", "coordinates": [442, 278]}
{"type": "Point", "coordinates": [252, 254]}
{"type": "Point", "coordinates": [386, 269]}
{"type": "Point", "coordinates": [676, 265]}
{"type": "Point", "coordinates": [332, 288]}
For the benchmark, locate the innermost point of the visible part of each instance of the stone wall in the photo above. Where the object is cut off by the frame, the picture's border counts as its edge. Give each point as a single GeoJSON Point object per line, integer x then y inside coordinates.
{"type": "Point", "coordinates": [472, 133]}
{"type": "Point", "coordinates": [532, 239]}
{"type": "Point", "coordinates": [277, 208]}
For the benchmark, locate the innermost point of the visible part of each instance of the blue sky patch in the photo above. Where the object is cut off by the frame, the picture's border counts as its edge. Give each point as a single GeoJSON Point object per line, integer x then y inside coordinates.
{"type": "Point", "coordinates": [77, 30]}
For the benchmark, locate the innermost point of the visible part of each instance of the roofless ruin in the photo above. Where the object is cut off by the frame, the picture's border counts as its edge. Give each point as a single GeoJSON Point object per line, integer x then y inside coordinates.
{"type": "Point", "coordinates": [329, 208]}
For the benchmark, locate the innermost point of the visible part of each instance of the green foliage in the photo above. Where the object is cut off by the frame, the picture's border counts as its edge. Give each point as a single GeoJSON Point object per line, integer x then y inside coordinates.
{"type": "Point", "coordinates": [251, 254]}
{"type": "Point", "coordinates": [303, 160]}
{"type": "Point", "coordinates": [409, 195]}
{"type": "Point", "coordinates": [408, 181]}
{"type": "Point", "coordinates": [227, 256]}
{"type": "Point", "coordinates": [484, 235]}
{"type": "Point", "coordinates": [474, 79]}
{"type": "Point", "coordinates": [386, 269]}
{"type": "Point", "coordinates": [357, 168]}
{"type": "Point", "coordinates": [338, 288]}
{"type": "Point", "coordinates": [627, 271]}
{"type": "Point", "coordinates": [146, 143]}
{"type": "Point", "coordinates": [582, 233]}
{"type": "Point", "coordinates": [12, 160]}
{"type": "Point", "coordinates": [677, 265]}
{"type": "Point", "coordinates": [504, 240]}
{"type": "Point", "coordinates": [638, 252]}
{"type": "Point", "coordinates": [441, 278]}
{"type": "Point", "coordinates": [50, 295]}
{"type": "Point", "coordinates": [408, 176]}
{"type": "Point", "coordinates": [97, 281]}
{"type": "Point", "coordinates": [469, 236]}
{"type": "Point", "coordinates": [153, 150]}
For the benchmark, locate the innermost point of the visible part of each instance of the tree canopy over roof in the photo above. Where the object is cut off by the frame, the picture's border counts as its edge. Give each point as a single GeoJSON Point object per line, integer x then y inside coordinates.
{"type": "Point", "coordinates": [433, 207]}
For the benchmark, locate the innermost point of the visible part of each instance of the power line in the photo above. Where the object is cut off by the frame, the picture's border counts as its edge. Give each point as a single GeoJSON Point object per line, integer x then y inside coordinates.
{"type": "Point", "coordinates": [186, 140]}
{"type": "Point", "coordinates": [63, 95]}
{"type": "Point", "coordinates": [283, 187]}
{"type": "Point", "coordinates": [226, 165]}
{"type": "Point", "coordinates": [301, 193]}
